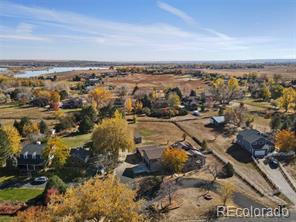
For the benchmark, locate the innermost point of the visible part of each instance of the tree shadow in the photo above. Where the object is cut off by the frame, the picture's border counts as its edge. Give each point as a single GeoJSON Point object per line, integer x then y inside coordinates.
{"type": "Point", "coordinates": [239, 154]}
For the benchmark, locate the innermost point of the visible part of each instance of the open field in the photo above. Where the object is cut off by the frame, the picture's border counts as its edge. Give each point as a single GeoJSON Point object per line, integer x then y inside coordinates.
{"type": "Point", "coordinates": [162, 133]}
{"type": "Point", "coordinates": [193, 206]}
{"type": "Point", "coordinates": [11, 112]}
{"type": "Point", "coordinates": [287, 71]}
{"type": "Point", "coordinates": [148, 81]}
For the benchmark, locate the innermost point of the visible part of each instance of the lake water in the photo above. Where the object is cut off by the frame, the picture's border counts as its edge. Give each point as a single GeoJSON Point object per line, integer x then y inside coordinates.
{"type": "Point", "coordinates": [3, 69]}
{"type": "Point", "coordinates": [53, 70]}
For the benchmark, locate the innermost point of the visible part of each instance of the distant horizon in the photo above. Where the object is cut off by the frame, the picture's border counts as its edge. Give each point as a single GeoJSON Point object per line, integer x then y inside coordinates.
{"type": "Point", "coordinates": [153, 61]}
{"type": "Point", "coordinates": [149, 30]}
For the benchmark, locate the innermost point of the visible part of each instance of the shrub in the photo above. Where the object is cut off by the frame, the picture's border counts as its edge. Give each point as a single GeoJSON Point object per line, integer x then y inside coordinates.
{"type": "Point", "coordinates": [86, 125]}
{"type": "Point", "coordinates": [227, 171]}
{"type": "Point", "coordinates": [57, 183]}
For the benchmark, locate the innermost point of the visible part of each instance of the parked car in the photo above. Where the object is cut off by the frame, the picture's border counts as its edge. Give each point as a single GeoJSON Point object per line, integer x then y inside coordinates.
{"type": "Point", "coordinates": [273, 163]}
{"type": "Point", "coordinates": [40, 180]}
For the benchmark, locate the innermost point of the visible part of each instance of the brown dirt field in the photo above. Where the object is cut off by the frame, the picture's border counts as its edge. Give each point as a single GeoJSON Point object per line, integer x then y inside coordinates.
{"type": "Point", "coordinates": [147, 81]}
{"type": "Point", "coordinates": [193, 206]}
{"type": "Point", "coordinates": [287, 71]}
{"type": "Point", "coordinates": [163, 133]}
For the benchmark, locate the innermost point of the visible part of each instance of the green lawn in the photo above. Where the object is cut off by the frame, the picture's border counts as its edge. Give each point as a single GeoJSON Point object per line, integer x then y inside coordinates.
{"type": "Point", "coordinates": [71, 110]}
{"type": "Point", "coordinates": [19, 194]}
{"type": "Point", "coordinates": [5, 218]}
{"type": "Point", "coordinates": [76, 141]}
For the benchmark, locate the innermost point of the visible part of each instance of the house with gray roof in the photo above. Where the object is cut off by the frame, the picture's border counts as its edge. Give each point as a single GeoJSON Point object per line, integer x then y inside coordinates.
{"type": "Point", "coordinates": [151, 155]}
{"type": "Point", "coordinates": [254, 142]}
{"type": "Point", "coordinates": [30, 158]}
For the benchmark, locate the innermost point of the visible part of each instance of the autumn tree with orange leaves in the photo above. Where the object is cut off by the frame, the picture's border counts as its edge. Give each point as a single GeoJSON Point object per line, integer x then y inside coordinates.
{"type": "Point", "coordinates": [99, 97]}
{"type": "Point", "coordinates": [285, 140]}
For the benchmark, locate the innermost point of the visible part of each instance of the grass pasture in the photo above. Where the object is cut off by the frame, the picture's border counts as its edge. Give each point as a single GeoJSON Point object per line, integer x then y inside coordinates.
{"type": "Point", "coordinates": [19, 194]}
{"type": "Point", "coordinates": [11, 112]}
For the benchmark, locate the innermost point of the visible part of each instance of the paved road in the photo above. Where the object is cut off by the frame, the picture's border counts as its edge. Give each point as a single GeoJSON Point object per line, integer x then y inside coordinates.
{"type": "Point", "coordinates": [277, 177]}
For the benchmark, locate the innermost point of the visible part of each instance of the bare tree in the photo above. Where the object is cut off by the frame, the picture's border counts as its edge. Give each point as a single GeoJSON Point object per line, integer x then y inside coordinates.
{"type": "Point", "coordinates": [213, 170]}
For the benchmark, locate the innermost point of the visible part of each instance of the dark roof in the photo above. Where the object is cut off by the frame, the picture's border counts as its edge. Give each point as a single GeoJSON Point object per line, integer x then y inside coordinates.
{"type": "Point", "coordinates": [80, 153]}
{"type": "Point", "coordinates": [137, 134]}
{"type": "Point", "coordinates": [33, 148]}
{"type": "Point", "coordinates": [250, 135]}
{"type": "Point", "coordinates": [152, 152]}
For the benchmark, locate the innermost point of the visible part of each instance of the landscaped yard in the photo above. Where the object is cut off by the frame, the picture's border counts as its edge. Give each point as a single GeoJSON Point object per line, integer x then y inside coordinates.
{"type": "Point", "coordinates": [77, 140]}
{"type": "Point", "coordinates": [19, 194]}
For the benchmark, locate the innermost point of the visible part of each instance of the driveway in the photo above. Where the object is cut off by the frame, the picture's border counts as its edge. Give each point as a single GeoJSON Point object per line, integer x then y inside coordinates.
{"type": "Point", "coordinates": [277, 177]}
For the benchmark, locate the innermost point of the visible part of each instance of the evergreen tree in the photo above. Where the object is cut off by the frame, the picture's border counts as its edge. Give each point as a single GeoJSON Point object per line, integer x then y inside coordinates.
{"type": "Point", "coordinates": [43, 127]}
{"type": "Point", "coordinates": [86, 125]}
{"type": "Point", "coordinates": [4, 147]}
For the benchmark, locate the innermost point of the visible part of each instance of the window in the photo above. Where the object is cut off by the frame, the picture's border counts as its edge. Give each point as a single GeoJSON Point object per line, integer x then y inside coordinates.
{"type": "Point", "coordinates": [34, 155]}
{"type": "Point", "coordinates": [25, 155]}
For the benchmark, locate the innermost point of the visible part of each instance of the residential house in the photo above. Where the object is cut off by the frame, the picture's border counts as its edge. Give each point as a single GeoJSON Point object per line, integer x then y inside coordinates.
{"type": "Point", "coordinates": [254, 142]}
{"type": "Point", "coordinates": [151, 155]}
{"type": "Point", "coordinates": [30, 158]}
{"type": "Point", "coordinates": [79, 157]}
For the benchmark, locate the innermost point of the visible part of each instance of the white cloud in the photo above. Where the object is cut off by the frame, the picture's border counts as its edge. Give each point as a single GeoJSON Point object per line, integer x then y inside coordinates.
{"type": "Point", "coordinates": [177, 12]}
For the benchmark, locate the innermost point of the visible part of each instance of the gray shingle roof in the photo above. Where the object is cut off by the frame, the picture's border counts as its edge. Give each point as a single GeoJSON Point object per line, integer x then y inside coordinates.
{"type": "Point", "coordinates": [152, 152]}
{"type": "Point", "coordinates": [250, 135]}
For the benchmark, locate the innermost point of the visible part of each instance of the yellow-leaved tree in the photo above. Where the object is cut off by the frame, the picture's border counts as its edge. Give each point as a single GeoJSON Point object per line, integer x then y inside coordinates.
{"type": "Point", "coordinates": [95, 200]}
{"type": "Point", "coordinates": [14, 139]}
{"type": "Point", "coordinates": [174, 100]}
{"type": "Point", "coordinates": [111, 136]}
{"type": "Point", "coordinates": [30, 128]}
{"type": "Point", "coordinates": [288, 99]}
{"type": "Point", "coordinates": [174, 159]}
{"type": "Point", "coordinates": [56, 152]}
{"type": "Point", "coordinates": [285, 140]}
{"type": "Point", "coordinates": [226, 191]}
{"type": "Point", "coordinates": [138, 106]}
{"type": "Point", "coordinates": [129, 105]}
{"type": "Point", "coordinates": [99, 97]}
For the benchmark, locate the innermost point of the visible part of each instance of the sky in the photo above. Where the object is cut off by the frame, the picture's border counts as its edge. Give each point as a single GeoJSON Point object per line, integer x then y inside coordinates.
{"type": "Point", "coordinates": [148, 30]}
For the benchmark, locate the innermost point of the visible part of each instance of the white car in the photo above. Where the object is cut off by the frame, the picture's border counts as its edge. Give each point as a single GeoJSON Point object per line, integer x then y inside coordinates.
{"type": "Point", "coordinates": [42, 179]}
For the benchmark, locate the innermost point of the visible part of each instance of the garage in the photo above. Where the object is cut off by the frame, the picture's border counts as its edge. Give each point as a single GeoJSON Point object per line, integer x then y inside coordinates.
{"type": "Point", "coordinates": [259, 153]}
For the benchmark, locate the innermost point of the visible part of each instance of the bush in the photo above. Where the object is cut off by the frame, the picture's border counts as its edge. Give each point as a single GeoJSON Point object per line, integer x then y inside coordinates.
{"type": "Point", "coordinates": [57, 183]}
{"type": "Point", "coordinates": [86, 125]}
{"type": "Point", "coordinates": [147, 111]}
{"type": "Point", "coordinates": [227, 171]}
